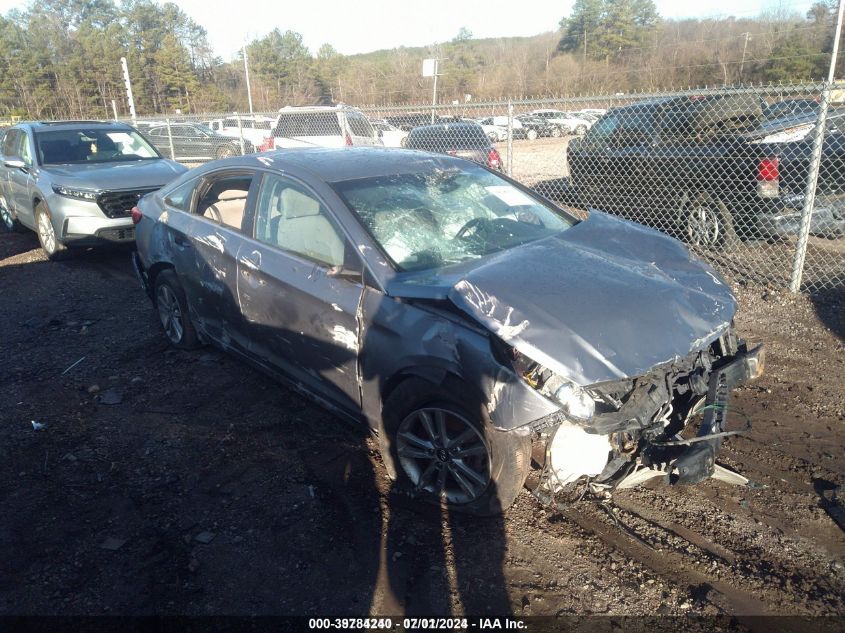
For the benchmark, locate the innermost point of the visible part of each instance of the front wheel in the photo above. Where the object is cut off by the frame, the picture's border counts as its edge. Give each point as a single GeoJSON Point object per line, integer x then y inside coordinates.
{"type": "Point", "coordinates": [50, 243]}
{"type": "Point", "coordinates": [447, 451]}
{"type": "Point", "coordinates": [581, 130]}
{"type": "Point", "coordinates": [532, 135]}
{"type": "Point", "coordinates": [172, 308]}
{"type": "Point", "coordinates": [556, 133]}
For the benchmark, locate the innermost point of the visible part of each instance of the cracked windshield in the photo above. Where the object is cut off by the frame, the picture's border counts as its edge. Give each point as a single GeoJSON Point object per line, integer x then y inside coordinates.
{"type": "Point", "coordinates": [446, 216]}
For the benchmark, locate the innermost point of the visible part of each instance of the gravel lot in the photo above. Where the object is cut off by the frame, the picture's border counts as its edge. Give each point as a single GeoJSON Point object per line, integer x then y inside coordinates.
{"type": "Point", "coordinates": [184, 482]}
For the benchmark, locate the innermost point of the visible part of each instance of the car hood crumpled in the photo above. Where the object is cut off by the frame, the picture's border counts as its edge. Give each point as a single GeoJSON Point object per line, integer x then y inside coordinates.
{"type": "Point", "coordinates": [603, 300]}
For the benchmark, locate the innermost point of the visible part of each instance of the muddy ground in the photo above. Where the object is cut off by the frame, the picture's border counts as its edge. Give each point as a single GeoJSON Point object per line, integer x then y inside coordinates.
{"type": "Point", "coordinates": [206, 488]}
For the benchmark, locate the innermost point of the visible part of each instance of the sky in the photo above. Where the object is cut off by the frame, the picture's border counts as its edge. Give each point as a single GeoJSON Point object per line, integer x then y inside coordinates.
{"type": "Point", "coordinates": [360, 26]}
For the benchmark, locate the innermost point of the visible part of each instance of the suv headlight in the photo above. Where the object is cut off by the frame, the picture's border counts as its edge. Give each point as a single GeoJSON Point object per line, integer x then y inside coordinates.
{"type": "Point", "coordinates": [79, 194]}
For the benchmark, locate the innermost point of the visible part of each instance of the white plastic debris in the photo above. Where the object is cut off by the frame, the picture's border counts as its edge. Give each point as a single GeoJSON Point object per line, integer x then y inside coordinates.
{"type": "Point", "coordinates": [38, 426]}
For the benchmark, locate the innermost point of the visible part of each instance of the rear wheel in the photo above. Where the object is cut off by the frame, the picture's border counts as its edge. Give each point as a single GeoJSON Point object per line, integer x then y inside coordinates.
{"type": "Point", "coordinates": [709, 224]}
{"type": "Point", "coordinates": [556, 133]}
{"type": "Point", "coordinates": [47, 237]}
{"type": "Point", "coordinates": [226, 151]}
{"type": "Point", "coordinates": [532, 134]}
{"type": "Point", "coordinates": [172, 308]}
{"type": "Point", "coordinates": [447, 451]}
{"type": "Point", "coordinates": [7, 217]}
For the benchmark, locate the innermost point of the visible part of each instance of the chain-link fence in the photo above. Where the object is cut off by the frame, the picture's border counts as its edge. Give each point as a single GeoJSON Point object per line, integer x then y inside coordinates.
{"type": "Point", "coordinates": [752, 179]}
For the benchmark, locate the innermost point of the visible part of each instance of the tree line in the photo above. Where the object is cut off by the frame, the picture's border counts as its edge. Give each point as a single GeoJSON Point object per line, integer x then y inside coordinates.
{"type": "Point", "coordinates": [61, 59]}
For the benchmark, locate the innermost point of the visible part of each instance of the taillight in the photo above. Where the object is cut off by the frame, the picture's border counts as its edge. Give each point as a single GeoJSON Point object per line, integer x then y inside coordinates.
{"type": "Point", "coordinates": [136, 215]}
{"type": "Point", "coordinates": [494, 161]}
{"type": "Point", "coordinates": [348, 140]}
{"type": "Point", "coordinates": [768, 177]}
{"type": "Point", "coordinates": [267, 144]}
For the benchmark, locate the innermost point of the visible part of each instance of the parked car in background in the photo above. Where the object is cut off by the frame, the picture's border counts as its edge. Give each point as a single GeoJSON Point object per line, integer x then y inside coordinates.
{"type": "Point", "coordinates": [568, 123]}
{"type": "Point", "coordinates": [709, 168]}
{"type": "Point", "coordinates": [408, 121]}
{"type": "Point", "coordinates": [461, 317]}
{"type": "Point", "coordinates": [193, 142]}
{"type": "Point", "coordinates": [532, 127]}
{"type": "Point", "coordinates": [792, 107]}
{"type": "Point", "coordinates": [255, 128]}
{"type": "Point", "coordinates": [322, 126]}
{"type": "Point", "coordinates": [466, 140]}
{"type": "Point", "coordinates": [390, 136]}
{"type": "Point", "coordinates": [75, 182]}
{"type": "Point", "coordinates": [494, 131]}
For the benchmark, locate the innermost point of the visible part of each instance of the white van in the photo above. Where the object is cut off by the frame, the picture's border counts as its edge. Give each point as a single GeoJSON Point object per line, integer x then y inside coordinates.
{"type": "Point", "coordinates": [254, 127]}
{"type": "Point", "coordinates": [322, 126]}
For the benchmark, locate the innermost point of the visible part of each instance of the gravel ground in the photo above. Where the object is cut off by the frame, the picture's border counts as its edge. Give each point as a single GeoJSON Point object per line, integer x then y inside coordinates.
{"type": "Point", "coordinates": [179, 482]}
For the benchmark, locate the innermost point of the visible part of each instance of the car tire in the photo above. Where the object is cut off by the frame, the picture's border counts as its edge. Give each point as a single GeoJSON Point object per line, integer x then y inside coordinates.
{"type": "Point", "coordinates": [581, 130]}
{"type": "Point", "coordinates": [46, 232]}
{"type": "Point", "coordinates": [709, 224]}
{"type": "Point", "coordinates": [226, 151]}
{"type": "Point", "coordinates": [7, 217]}
{"type": "Point", "coordinates": [493, 137]}
{"type": "Point", "coordinates": [494, 466]}
{"type": "Point", "coordinates": [172, 308]}
{"type": "Point", "coordinates": [531, 135]}
{"type": "Point", "coordinates": [556, 132]}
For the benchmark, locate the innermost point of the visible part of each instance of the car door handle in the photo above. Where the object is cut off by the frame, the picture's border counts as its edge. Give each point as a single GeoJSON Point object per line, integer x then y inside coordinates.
{"type": "Point", "coordinates": [182, 241]}
{"type": "Point", "coordinates": [253, 260]}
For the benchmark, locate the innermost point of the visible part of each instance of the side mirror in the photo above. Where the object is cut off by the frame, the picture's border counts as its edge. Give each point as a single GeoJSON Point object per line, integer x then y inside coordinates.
{"type": "Point", "coordinates": [15, 162]}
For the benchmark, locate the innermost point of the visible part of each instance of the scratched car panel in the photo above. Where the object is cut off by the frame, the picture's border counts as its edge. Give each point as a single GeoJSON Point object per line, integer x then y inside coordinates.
{"type": "Point", "coordinates": [458, 314]}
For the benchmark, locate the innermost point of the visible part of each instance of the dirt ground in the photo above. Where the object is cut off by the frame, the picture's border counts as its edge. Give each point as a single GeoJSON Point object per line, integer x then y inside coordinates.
{"type": "Point", "coordinates": [170, 482]}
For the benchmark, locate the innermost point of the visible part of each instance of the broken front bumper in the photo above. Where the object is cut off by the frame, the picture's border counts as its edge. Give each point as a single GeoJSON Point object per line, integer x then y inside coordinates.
{"type": "Point", "coordinates": [698, 460]}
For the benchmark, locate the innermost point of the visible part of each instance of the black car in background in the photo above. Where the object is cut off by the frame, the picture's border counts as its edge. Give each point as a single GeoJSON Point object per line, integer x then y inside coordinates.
{"type": "Point", "coordinates": [465, 140]}
{"type": "Point", "coordinates": [193, 141]}
{"type": "Point", "coordinates": [534, 127]}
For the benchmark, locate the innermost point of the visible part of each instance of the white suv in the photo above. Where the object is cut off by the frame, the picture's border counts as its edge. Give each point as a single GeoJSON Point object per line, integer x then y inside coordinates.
{"type": "Point", "coordinates": [255, 127]}
{"type": "Point", "coordinates": [322, 126]}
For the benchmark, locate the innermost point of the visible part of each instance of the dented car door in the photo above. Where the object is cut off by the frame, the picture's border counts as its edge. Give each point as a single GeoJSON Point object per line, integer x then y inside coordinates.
{"type": "Point", "coordinates": [299, 288]}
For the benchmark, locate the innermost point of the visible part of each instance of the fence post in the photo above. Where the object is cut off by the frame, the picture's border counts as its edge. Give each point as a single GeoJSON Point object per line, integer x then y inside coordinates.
{"type": "Point", "coordinates": [170, 139]}
{"type": "Point", "coordinates": [810, 193]}
{"type": "Point", "coordinates": [241, 133]}
{"type": "Point", "coordinates": [510, 138]}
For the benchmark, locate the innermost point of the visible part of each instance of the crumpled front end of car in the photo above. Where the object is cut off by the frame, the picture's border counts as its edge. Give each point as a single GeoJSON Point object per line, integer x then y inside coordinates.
{"type": "Point", "coordinates": [668, 422]}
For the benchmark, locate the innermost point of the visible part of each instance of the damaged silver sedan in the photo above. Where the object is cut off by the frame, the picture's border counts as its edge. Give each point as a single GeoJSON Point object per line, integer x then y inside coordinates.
{"type": "Point", "coordinates": [454, 311]}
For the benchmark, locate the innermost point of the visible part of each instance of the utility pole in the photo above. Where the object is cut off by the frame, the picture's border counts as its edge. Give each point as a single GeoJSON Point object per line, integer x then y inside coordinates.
{"type": "Point", "coordinates": [246, 72]}
{"type": "Point", "coordinates": [744, 48]}
{"type": "Point", "coordinates": [128, 83]}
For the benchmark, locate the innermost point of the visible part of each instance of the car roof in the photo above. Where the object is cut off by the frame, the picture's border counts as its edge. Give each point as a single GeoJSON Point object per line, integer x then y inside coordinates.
{"type": "Point", "coordinates": [336, 164]}
{"type": "Point", "coordinates": [75, 125]}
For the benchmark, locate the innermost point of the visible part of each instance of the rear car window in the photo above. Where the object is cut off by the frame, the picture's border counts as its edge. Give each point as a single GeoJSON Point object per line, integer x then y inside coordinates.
{"type": "Point", "coordinates": [307, 124]}
{"type": "Point", "coordinates": [359, 125]}
{"type": "Point", "coordinates": [448, 137]}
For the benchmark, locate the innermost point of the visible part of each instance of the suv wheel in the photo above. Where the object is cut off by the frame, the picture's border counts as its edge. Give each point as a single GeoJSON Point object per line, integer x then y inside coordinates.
{"type": "Point", "coordinates": [447, 451]}
{"type": "Point", "coordinates": [172, 308]}
{"type": "Point", "coordinates": [50, 243]}
{"type": "Point", "coordinates": [9, 221]}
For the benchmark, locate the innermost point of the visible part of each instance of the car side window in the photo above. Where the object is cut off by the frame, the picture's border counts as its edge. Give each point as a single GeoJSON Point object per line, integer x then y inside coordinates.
{"type": "Point", "coordinates": [222, 199]}
{"type": "Point", "coordinates": [22, 147]}
{"type": "Point", "coordinates": [291, 218]}
{"type": "Point", "coordinates": [180, 198]}
{"type": "Point", "coordinates": [10, 143]}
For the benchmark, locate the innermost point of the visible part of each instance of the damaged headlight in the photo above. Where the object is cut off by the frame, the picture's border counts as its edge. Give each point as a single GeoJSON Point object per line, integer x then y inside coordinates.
{"type": "Point", "coordinates": [573, 400]}
{"type": "Point", "coordinates": [80, 194]}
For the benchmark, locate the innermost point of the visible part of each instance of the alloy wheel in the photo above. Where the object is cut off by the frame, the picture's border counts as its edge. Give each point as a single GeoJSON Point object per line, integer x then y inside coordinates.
{"type": "Point", "coordinates": [47, 233]}
{"type": "Point", "coordinates": [170, 313]}
{"type": "Point", "coordinates": [443, 454]}
{"type": "Point", "coordinates": [703, 226]}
